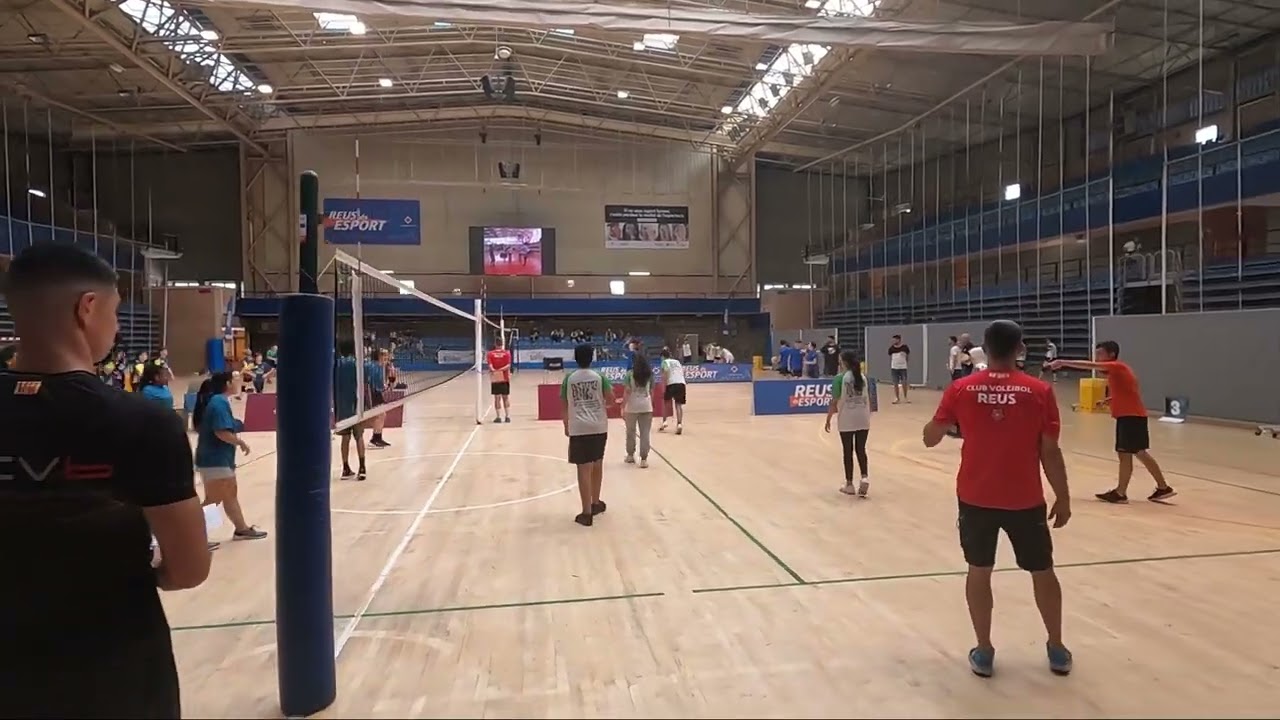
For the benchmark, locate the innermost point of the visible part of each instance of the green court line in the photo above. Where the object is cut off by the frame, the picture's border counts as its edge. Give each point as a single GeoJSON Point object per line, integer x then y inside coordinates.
{"type": "Point", "coordinates": [796, 576]}
{"type": "Point", "coordinates": [432, 611]}
{"type": "Point", "coordinates": [962, 573]}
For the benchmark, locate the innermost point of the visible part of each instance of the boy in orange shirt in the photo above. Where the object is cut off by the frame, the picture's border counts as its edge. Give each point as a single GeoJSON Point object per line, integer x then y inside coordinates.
{"type": "Point", "coordinates": [1132, 436]}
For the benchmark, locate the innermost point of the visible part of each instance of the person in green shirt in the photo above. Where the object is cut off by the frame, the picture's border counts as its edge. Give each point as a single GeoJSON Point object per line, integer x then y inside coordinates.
{"type": "Point", "coordinates": [584, 399]}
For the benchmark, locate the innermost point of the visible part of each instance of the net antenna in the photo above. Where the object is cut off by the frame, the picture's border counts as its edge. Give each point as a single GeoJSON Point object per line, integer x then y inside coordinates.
{"type": "Point", "coordinates": [364, 281]}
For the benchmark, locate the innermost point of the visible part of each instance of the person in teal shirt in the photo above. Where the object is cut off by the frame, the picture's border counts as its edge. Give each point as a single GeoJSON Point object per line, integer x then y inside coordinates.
{"type": "Point", "coordinates": [345, 387]}
{"type": "Point", "coordinates": [218, 438]}
{"type": "Point", "coordinates": [155, 384]}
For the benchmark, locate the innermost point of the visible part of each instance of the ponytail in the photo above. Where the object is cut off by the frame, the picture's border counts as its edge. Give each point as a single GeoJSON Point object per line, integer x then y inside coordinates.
{"type": "Point", "coordinates": [215, 385]}
{"type": "Point", "coordinates": [850, 360]}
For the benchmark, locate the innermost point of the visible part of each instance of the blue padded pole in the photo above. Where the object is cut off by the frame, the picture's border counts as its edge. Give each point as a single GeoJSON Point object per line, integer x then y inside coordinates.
{"type": "Point", "coordinates": [306, 666]}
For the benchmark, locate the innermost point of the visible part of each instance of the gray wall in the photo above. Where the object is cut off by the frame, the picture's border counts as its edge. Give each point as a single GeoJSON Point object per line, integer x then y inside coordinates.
{"type": "Point", "coordinates": [1235, 381]}
{"type": "Point", "coordinates": [193, 195]}
{"type": "Point", "coordinates": [940, 346]}
{"type": "Point", "coordinates": [879, 338]}
{"type": "Point", "coordinates": [798, 209]}
{"type": "Point", "coordinates": [563, 185]}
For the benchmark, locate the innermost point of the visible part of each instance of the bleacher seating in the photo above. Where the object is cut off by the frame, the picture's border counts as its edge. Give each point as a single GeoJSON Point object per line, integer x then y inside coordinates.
{"type": "Point", "coordinates": [139, 329]}
{"type": "Point", "coordinates": [1063, 311]}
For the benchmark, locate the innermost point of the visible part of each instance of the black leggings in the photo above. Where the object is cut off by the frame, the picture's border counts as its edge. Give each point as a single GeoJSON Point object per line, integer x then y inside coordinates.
{"type": "Point", "coordinates": [854, 441]}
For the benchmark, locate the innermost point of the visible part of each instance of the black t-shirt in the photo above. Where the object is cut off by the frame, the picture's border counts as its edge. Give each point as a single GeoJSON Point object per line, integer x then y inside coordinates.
{"type": "Point", "coordinates": [78, 462]}
{"type": "Point", "coordinates": [830, 357]}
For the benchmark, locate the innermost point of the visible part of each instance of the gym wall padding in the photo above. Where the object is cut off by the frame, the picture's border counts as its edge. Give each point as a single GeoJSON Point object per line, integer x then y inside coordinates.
{"type": "Point", "coordinates": [1224, 363]}
{"type": "Point", "coordinates": [939, 335]}
{"type": "Point", "coordinates": [878, 339]}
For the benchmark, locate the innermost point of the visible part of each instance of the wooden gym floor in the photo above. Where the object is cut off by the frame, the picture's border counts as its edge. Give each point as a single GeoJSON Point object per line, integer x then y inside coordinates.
{"type": "Point", "coordinates": [731, 579]}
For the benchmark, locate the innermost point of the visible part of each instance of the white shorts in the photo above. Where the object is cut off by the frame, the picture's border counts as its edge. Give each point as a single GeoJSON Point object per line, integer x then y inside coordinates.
{"type": "Point", "coordinates": [216, 473]}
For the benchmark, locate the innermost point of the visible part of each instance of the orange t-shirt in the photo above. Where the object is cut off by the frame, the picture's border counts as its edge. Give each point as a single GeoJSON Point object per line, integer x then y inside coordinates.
{"type": "Point", "coordinates": [1126, 399]}
{"type": "Point", "coordinates": [499, 365]}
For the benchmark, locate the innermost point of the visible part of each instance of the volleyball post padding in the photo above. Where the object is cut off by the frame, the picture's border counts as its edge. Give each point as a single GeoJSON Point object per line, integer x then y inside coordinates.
{"type": "Point", "coordinates": [306, 667]}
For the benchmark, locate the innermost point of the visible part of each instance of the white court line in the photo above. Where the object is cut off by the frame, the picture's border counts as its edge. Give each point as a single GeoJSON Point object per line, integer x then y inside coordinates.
{"type": "Point", "coordinates": [404, 543]}
{"type": "Point", "coordinates": [488, 506]}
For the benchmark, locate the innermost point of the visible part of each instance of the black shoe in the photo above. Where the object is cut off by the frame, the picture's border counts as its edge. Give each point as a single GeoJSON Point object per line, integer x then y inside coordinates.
{"type": "Point", "coordinates": [583, 519]}
{"type": "Point", "coordinates": [598, 507]}
{"type": "Point", "coordinates": [378, 442]}
{"type": "Point", "coordinates": [363, 474]}
{"type": "Point", "coordinates": [507, 419]}
{"type": "Point", "coordinates": [1162, 494]}
{"type": "Point", "coordinates": [1112, 496]}
{"type": "Point", "coordinates": [497, 421]}
{"type": "Point", "coordinates": [346, 473]}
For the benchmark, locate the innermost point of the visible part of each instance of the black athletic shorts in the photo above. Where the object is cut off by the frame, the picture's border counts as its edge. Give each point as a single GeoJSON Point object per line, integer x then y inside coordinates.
{"type": "Point", "coordinates": [1028, 532]}
{"type": "Point", "coordinates": [135, 679]}
{"type": "Point", "coordinates": [375, 398]}
{"type": "Point", "coordinates": [675, 393]}
{"type": "Point", "coordinates": [500, 388]}
{"type": "Point", "coordinates": [1132, 435]}
{"type": "Point", "coordinates": [586, 449]}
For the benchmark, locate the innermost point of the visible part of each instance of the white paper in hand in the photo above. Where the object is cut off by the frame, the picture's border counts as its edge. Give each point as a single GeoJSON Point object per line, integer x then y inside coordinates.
{"type": "Point", "coordinates": [212, 517]}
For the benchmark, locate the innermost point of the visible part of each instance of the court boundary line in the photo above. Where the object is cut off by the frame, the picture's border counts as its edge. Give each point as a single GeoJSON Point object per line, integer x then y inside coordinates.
{"type": "Point", "coordinates": [754, 540]}
{"type": "Point", "coordinates": [236, 624]}
{"type": "Point", "coordinates": [962, 573]}
{"type": "Point", "coordinates": [463, 508]}
{"type": "Point", "coordinates": [1190, 476]}
{"type": "Point", "coordinates": [408, 536]}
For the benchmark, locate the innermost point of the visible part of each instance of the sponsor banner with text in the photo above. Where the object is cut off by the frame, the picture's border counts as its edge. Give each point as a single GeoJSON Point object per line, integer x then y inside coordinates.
{"type": "Point", "coordinates": [795, 397]}
{"type": "Point", "coordinates": [351, 221]}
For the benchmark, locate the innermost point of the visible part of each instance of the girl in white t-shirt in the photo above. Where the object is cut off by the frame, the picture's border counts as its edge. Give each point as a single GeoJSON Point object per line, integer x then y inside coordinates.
{"type": "Point", "coordinates": [674, 390]}
{"type": "Point", "coordinates": [637, 409]}
{"type": "Point", "coordinates": [851, 402]}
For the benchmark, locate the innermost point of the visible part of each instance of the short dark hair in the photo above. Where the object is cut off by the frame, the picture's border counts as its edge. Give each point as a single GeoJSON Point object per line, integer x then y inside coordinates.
{"type": "Point", "coordinates": [1111, 346]}
{"type": "Point", "coordinates": [952, 338]}
{"type": "Point", "coordinates": [897, 337]}
{"type": "Point", "coordinates": [50, 263]}
{"type": "Point", "coordinates": [1001, 339]}
{"type": "Point", "coordinates": [583, 355]}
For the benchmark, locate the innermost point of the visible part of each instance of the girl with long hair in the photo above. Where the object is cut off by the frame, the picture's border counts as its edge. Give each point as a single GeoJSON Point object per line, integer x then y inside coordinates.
{"type": "Point", "coordinates": [216, 444]}
{"type": "Point", "coordinates": [849, 400]}
{"type": "Point", "coordinates": [637, 407]}
{"type": "Point", "coordinates": [155, 384]}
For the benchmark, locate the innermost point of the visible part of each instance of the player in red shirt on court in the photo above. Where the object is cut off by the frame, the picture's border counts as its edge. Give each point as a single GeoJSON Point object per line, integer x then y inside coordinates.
{"type": "Point", "coordinates": [1130, 413]}
{"type": "Point", "coordinates": [499, 360]}
{"type": "Point", "coordinates": [1011, 427]}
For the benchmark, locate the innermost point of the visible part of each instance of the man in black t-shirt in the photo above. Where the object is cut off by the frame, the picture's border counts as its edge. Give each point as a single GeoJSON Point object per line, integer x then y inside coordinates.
{"type": "Point", "coordinates": [88, 474]}
{"type": "Point", "coordinates": [830, 357]}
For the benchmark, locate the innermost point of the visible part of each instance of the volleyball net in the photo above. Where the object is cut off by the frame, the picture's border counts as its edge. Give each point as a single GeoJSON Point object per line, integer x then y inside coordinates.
{"type": "Point", "coordinates": [395, 342]}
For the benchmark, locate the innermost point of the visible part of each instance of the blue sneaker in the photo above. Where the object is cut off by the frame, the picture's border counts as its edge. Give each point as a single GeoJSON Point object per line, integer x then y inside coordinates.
{"type": "Point", "coordinates": [1059, 660]}
{"type": "Point", "coordinates": [982, 662]}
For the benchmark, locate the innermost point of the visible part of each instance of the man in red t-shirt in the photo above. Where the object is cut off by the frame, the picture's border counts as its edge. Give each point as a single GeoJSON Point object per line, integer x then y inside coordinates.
{"type": "Point", "coordinates": [499, 361]}
{"type": "Point", "coordinates": [1011, 427]}
{"type": "Point", "coordinates": [1130, 413]}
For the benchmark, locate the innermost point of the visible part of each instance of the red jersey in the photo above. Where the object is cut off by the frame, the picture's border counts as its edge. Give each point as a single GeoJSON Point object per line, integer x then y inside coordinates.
{"type": "Point", "coordinates": [499, 365]}
{"type": "Point", "coordinates": [1002, 416]}
{"type": "Point", "coordinates": [1122, 386]}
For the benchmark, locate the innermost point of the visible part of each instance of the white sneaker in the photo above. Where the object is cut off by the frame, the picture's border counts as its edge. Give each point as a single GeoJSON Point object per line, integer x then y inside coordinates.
{"type": "Point", "coordinates": [848, 489]}
{"type": "Point", "coordinates": [679, 429]}
{"type": "Point", "coordinates": [863, 487]}
{"type": "Point", "coordinates": [644, 463]}
{"type": "Point", "coordinates": [630, 460]}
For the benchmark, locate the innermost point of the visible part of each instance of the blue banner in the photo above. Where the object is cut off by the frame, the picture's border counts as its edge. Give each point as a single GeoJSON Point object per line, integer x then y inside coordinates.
{"type": "Point", "coordinates": [693, 374]}
{"type": "Point", "coordinates": [717, 373]}
{"type": "Point", "coordinates": [348, 221]}
{"type": "Point", "coordinates": [794, 397]}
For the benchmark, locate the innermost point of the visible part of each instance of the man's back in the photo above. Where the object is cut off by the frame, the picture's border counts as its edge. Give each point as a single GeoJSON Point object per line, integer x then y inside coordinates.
{"type": "Point", "coordinates": [1003, 416]}
{"type": "Point", "coordinates": [78, 462]}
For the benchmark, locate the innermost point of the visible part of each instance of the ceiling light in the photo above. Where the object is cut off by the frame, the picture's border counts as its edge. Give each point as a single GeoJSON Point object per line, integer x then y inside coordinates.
{"type": "Point", "coordinates": [638, 46]}
{"type": "Point", "coordinates": [209, 35]}
{"type": "Point", "coordinates": [617, 287]}
{"type": "Point", "coordinates": [38, 38]}
{"type": "Point", "coordinates": [115, 68]}
{"type": "Point", "coordinates": [639, 273]}
{"type": "Point", "coordinates": [358, 28]}
{"type": "Point", "coordinates": [1013, 192]}
{"type": "Point", "coordinates": [1207, 134]}
{"type": "Point", "coordinates": [563, 31]}
{"type": "Point", "coordinates": [502, 53]}
{"type": "Point", "coordinates": [441, 24]}
{"type": "Point", "coordinates": [761, 66]}
{"type": "Point", "coordinates": [623, 94]}
{"type": "Point", "coordinates": [266, 89]}
{"type": "Point", "coordinates": [726, 109]}
{"type": "Point", "coordinates": [385, 82]}
{"type": "Point", "coordinates": [37, 193]}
